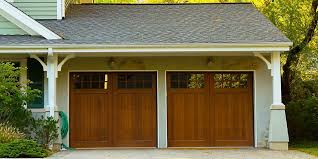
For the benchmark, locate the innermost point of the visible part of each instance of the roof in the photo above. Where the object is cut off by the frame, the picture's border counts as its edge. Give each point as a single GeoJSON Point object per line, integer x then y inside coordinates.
{"type": "Point", "coordinates": [149, 24]}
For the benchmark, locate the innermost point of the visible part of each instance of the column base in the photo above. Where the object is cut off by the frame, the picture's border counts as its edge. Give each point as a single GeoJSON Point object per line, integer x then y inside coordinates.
{"type": "Point", "coordinates": [281, 146]}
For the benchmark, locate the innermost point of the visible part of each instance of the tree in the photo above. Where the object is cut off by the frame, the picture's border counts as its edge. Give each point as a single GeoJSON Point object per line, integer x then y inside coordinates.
{"type": "Point", "coordinates": [293, 55]}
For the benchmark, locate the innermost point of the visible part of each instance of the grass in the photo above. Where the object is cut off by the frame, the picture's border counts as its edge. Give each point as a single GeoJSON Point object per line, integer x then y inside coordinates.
{"type": "Point", "coordinates": [310, 147]}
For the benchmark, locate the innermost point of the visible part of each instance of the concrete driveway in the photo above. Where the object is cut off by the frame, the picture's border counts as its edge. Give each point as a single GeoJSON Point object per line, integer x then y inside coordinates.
{"type": "Point", "coordinates": [182, 154]}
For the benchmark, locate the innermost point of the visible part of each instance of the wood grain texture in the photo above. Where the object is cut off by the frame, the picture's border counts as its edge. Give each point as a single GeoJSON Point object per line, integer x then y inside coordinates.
{"type": "Point", "coordinates": [113, 117]}
{"type": "Point", "coordinates": [210, 116]}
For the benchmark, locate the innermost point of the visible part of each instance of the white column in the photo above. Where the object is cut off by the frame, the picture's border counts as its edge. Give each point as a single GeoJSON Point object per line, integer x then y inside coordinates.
{"type": "Point", "coordinates": [162, 110]}
{"type": "Point", "coordinates": [52, 61]}
{"type": "Point", "coordinates": [278, 132]}
{"type": "Point", "coordinates": [277, 93]}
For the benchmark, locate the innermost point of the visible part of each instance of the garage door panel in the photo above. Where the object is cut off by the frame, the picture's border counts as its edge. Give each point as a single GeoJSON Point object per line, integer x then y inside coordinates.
{"type": "Point", "coordinates": [233, 109]}
{"type": "Point", "coordinates": [108, 111]}
{"type": "Point", "coordinates": [187, 118]}
{"type": "Point", "coordinates": [232, 120]}
{"type": "Point", "coordinates": [134, 119]}
{"type": "Point", "coordinates": [212, 111]}
{"type": "Point", "coordinates": [187, 111]}
{"type": "Point", "coordinates": [91, 123]}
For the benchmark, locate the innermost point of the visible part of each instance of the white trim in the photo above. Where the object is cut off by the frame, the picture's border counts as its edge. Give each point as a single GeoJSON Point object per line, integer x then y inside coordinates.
{"type": "Point", "coordinates": [25, 22]}
{"type": "Point", "coordinates": [254, 96]}
{"type": "Point", "coordinates": [157, 111]}
{"type": "Point", "coordinates": [191, 47]}
{"type": "Point", "coordinates": [166, 104]}
{"type": "Point", "coordinates": [60, 65]}
{"type": "Point", "coordinates": [59, 9]}
{"type": "Point", "coordinates": [255, 109]}
{"type": "Point", "coordinates": [63, 8]}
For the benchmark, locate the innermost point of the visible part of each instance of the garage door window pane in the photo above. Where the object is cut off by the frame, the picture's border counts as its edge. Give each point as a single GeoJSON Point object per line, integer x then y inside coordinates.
{"type": "Point", "coordinates": [134, 80]}
{"type": "Point", "coordinates": [187, 80]}
{"type": "Point", "coordinates": [90, 81]}
{"type": "Point", "coordinates": [230, 80]}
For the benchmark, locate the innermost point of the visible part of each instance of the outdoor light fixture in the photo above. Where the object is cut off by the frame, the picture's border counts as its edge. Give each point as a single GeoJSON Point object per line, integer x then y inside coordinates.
{"type": "Point", "coordinates": [112, 62]}
{"type": "Point", "coordinates": [210, 61]}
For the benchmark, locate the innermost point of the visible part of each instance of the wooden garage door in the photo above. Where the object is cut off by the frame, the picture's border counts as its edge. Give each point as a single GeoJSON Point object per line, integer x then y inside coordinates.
{"type": "Point", "coordinates": [210, 109]}
{"type": "Point", "coordinates": [113, 110]}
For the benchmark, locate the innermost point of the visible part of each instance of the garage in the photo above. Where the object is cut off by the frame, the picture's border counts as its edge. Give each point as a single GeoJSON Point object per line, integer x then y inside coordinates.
{"type": "Point", "coordinates": [207, 109]}
{"type": "Point", "coordinates": [112, 109]}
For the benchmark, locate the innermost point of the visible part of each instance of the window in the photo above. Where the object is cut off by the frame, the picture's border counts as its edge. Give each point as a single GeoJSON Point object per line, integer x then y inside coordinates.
{"type": "Point", "coordinates": [187, 80]}
{"type": "Point", "coordinates": [230, 80]}
{"type": "Point", "coordinates": [90, 80]}
{"type": "Point", "coordinates": [134, 80]}
{"type": "Point", "coordinates": [36, 76]}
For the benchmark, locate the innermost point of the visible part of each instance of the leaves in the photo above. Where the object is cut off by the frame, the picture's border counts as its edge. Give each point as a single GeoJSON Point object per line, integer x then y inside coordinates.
{"type": "Point", "coordinates": [13, 97]}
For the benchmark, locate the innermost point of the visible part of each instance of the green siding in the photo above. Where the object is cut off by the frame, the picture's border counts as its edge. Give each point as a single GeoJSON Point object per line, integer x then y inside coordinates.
{"type": "Point", "coordinates": [37, 9]}
{"type": "Point", "coordinates": [7, 28]}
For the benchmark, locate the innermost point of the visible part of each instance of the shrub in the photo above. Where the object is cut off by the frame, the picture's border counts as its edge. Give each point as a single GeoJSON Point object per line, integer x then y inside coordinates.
{"type": "Point", "coordinates": [22, 148]}
{"type": "Point", "coordinates": [9, 133]}
{"type": "Point", "coordinates": [46, 131]}
{"type": "Point", "coordinates": [13, 97]}
{"type": "Point", "coordinates": [302, 119]}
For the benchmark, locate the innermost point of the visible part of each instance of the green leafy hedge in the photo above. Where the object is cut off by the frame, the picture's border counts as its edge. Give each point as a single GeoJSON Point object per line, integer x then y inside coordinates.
{"type": "Point", "coordinates": [22, 148]}
{"type": "Point", "coordinates": [302, 119]}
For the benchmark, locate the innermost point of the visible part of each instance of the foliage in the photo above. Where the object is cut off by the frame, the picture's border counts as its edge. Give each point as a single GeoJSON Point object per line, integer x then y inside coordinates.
{"type": "Point", "coordinates": [302, 117]}
{"type": "Point", "coordinates": [22, 148]}
{"type": "Point", "coordinates": [13, 97]}
{"type": "Point", "coordinates": [46, 131]}
{"type": "Point", "coordinates": [9, 133]}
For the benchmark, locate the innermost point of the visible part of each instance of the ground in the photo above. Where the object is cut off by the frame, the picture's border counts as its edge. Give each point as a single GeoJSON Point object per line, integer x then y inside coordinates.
{"type": "Point", "coordinates": [183, 154]}
{"type": "Point", "coordinates": [310, 147]}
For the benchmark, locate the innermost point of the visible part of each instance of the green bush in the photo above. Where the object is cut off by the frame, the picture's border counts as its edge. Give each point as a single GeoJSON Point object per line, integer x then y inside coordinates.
{"type": "Point", "coordinates": [302, 119]}
{"type": "Point", "coordinates": [9, 133]}
{"type": "Point", "coordinates": [13, 97]}
{"type": "Point", "coordinates": [22, 148]}
{"type": "Point", "coordinates": [46, 131]}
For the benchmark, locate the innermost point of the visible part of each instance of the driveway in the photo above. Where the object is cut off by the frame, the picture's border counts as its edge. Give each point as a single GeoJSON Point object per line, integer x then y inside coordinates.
{"type": "Point", "coordinates": [182, 154]}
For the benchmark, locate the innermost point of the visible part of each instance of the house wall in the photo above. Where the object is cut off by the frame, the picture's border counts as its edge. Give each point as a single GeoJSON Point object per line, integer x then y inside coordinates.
{"type": "Point", "coordinates": [8, 28]}
{"type": "Point", "coordinates": [263, 82]}
{"type": "Point", "coordinates": [38, 9]}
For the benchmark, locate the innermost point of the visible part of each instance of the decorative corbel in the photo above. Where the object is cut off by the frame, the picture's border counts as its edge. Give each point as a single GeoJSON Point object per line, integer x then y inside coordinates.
{"type": "Point", "coordinates": [259, 55]}
{"type": "Point", "coordinates": [40, 60]}
{"type": "Point", "coordinates": [60, 65]}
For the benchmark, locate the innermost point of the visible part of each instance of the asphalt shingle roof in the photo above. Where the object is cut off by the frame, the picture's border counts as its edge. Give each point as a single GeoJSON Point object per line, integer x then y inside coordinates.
{"type": "Point", "coordinates": [158, 24]}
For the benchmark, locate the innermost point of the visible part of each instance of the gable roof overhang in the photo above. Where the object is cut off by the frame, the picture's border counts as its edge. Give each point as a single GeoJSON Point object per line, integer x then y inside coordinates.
{"type": "Point", "coordinates": [151, 50]}
{"type": "Point", "coordinates": [25, 22]}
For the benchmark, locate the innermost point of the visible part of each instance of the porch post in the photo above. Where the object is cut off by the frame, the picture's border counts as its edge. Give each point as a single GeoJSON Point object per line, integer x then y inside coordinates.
{"type": "Point", "coordinates": [52, 75]}
{"type": "Point", "coordinates": [162, 110]}
{"type": "Point", "coordinates": [278, 133]}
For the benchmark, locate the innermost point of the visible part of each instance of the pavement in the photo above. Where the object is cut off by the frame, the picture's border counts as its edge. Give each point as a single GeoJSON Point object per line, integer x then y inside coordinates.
{"type": "Point", "coordinates": [247, 153]}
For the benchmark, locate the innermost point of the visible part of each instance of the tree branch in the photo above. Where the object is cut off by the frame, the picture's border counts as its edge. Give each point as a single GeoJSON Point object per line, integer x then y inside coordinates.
{"type": "Point", "coordinates": [310, 32]}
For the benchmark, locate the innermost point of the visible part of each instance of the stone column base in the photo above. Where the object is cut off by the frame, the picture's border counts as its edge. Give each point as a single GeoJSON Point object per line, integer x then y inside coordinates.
{"type": "Point", "coordinates": [282, 146]}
